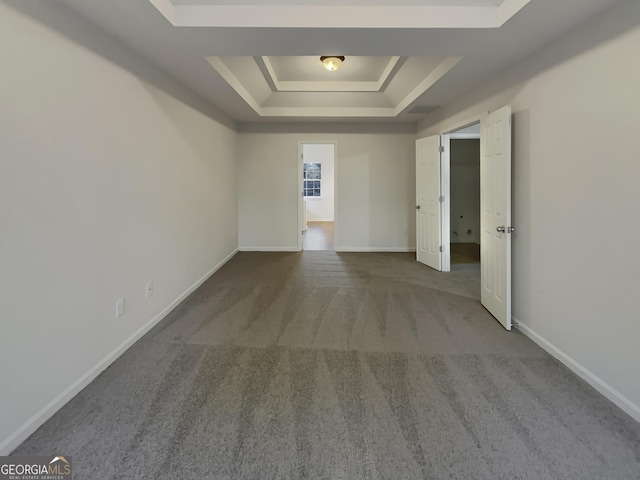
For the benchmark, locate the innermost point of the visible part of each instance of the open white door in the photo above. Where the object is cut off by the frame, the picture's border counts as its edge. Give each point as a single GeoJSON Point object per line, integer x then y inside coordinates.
{"type": "Point", "coordinates": [495, 216]}
{"type": "Point", "coordinates": [302, 207]}
{"type": "Point", "coordinates": [428, 211]}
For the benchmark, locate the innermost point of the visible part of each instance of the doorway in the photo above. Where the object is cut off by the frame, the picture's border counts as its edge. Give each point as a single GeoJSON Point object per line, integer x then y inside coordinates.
{"type": "Point", "coordinates": [434, 227]}
{"type": "Point", "coordinates": [464, 188]}
{"type": "Point", "coordinates": [317, 184]}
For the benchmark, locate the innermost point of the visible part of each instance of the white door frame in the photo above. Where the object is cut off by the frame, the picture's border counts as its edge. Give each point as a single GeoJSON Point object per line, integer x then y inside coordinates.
{"type": "Point", "coordinates": [300, 190]}
{"type": "Point", "coordinates": [445, 188]}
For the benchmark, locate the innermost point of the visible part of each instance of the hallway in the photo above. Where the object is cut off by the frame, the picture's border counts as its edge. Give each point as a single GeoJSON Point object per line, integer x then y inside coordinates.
{"type": "Point", "coordinates": [344, 366]}
{"type": "Point", "coordinates": [319, 236]}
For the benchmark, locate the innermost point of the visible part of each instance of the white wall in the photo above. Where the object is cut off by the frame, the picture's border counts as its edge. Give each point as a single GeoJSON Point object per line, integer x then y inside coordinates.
{"type": "Point", "coordinates": [465, 191]}
{"type": "Point", "coordinates": [576, 274]}
{"type": "Point", "coordinates": [106, 182]}
{"type": "Point", "coordinates": [320, 209]}
{"type": "Point", "coordinates": [375, 190]}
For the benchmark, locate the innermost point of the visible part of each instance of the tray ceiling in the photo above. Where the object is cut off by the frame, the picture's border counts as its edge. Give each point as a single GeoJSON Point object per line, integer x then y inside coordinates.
{"type": "Point", "coordinates": [363, 86]}
{"type": "Point", "coordinates": [270, 75]}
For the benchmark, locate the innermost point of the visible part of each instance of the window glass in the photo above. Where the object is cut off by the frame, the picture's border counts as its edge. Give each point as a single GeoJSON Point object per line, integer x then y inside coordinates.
{"type": "Point", "coordinates": [312, 179]}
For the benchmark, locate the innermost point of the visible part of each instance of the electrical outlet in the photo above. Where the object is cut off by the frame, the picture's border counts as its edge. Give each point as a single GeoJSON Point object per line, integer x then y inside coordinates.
{"type": "Point", "coordinates": [149, 289]}
{"type": "Point", "coordinates": [120, 308]}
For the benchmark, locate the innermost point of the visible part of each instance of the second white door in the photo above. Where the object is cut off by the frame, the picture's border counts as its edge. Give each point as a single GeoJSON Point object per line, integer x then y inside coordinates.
{"type": "Point", "coordinates": [428, 205]}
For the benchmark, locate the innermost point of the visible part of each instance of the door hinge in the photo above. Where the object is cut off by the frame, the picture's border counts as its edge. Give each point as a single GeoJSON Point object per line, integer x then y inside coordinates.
{"type": "Point", "coordinates": [441, 149]}
{"type": "Point", "coordinates": [441, 249]}
{"type": "Point", "coordinates": [441, 199]}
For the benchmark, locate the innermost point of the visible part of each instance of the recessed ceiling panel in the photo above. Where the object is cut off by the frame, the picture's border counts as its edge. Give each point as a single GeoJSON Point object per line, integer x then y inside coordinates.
{"type": "Point", "coordinates": [310, 69]}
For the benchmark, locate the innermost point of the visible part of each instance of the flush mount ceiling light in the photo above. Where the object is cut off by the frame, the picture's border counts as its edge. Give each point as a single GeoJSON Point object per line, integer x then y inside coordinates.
{"type": "Point", "coordinates": [332, 62]}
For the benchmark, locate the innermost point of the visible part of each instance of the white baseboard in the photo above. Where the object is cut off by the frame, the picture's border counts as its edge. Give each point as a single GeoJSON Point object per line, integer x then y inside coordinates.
{"type": "Point", "coordinates": [31, 425]}
{"type": "Point", "coordinates": [596, 382]}
{"type": "Point", "coordinates": [269, 249]}
{"type": "Point", "coordinates": [337, 249]}
{"type": "Point", "coordinates": [311, 220]}
{"type": "Point", "coordinates": [375, 249]}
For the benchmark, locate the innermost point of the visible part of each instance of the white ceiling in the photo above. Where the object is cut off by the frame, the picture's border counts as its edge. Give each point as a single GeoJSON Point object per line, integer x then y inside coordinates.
{"type": "Point", "coordinates": [349, 14]}
{"type": "Point", "coordinates": [185, 52]}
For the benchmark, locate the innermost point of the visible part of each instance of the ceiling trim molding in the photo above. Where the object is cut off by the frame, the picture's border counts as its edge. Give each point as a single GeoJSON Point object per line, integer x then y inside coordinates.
{"type": "Point", "coordinates": [267, 72]}
{"type": "Point", "coordinates": [338, 16]}
{"type": "Point", "coordinates": [316, 130]}
{"type": "Point", "coordinates": [509, 8]}
{"type": "Point", "coordinates": [233, 81]}
{"type": "Point", "coordinates": [271, 73]}
{"type": "Point", "coordinates": [330, 86]}
{"type": "Point", "coordinates": [390, 71]}
{"type": "Point", "coordinates": [166, 8]}
{"type": "Point", "coordinates": [447, 64]}
{"type": "Point", "coordinates": [360, 112]}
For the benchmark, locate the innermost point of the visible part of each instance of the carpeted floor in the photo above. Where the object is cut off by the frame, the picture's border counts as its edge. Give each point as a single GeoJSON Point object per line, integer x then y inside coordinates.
{"type": "Point", "coordinates": [319, 365]}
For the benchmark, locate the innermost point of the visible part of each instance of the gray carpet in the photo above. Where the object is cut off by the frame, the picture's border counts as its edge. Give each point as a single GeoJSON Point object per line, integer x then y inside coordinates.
{"type": "Point", "coordinates": [338, 366]}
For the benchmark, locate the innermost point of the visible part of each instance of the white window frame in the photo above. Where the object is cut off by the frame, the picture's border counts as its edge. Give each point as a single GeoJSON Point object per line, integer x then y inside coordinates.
{"type": "Point", "coordinates": [319, 197]}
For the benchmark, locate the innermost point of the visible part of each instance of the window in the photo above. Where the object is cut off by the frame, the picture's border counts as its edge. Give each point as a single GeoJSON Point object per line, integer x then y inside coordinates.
{"type": "Point", "coordinates": [312, 179]}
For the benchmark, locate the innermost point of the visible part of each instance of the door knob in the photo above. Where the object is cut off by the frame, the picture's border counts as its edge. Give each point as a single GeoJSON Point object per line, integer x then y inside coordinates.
{"type": "Point", "coordinates": [500, 229]}
{"type": "Point", "coordinates": [417, 207]}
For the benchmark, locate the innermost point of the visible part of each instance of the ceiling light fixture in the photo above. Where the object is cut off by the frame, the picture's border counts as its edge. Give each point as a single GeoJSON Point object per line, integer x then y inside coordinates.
{"type": "Point", "coordinates": [332, 62]}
